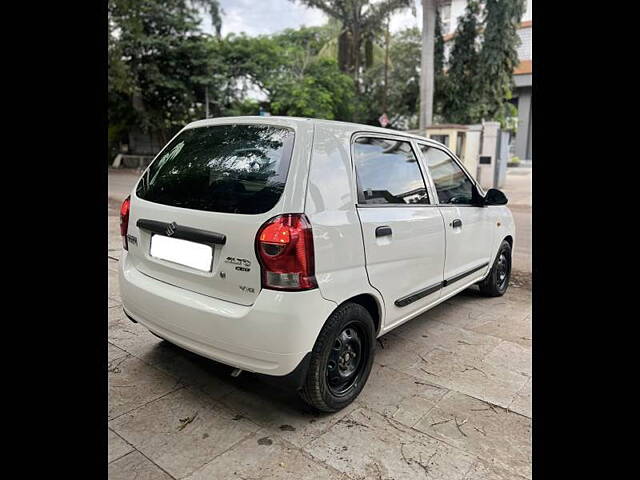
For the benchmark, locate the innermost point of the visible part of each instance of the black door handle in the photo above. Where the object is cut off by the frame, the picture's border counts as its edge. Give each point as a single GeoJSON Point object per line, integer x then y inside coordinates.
{"type": "Point", "coordinates": [383, 231]}
{"type": "Point", "coordinates": [456, 223]}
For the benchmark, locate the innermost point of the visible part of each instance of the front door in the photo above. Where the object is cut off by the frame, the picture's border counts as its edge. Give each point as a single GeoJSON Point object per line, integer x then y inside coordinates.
{"type": "Point", "coordinates": [403, 230]}
{"type": "Point", "coordinates": [468, 228]}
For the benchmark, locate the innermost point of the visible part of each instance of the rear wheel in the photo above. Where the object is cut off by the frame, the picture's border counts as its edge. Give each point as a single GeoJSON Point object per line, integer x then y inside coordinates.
{"type": "Point", "coordinates": [341, 359]}
{"type": "Point", "coordinates": [496, 283]}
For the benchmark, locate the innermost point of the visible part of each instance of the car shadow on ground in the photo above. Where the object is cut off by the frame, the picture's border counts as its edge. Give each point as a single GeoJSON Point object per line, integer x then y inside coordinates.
{"type": "Point", "coordinates": [275, 391]}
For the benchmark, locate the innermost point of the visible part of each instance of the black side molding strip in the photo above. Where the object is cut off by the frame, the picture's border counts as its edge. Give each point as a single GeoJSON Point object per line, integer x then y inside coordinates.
{"type": "Point", "coordinates": [179, 231]}
{"type": "Point", "coordinates": [412, 297]}
{"type": "Point", "coordinates": [460, 276]}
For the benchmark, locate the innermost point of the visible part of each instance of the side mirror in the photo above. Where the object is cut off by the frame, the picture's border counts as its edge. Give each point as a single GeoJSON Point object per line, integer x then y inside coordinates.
{"type": "Point", "coordinates": [495, 197]}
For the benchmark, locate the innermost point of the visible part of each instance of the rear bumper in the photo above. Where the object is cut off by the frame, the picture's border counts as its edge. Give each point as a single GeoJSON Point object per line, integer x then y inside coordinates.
{"type": "Point", "coordinates": [272, 336]}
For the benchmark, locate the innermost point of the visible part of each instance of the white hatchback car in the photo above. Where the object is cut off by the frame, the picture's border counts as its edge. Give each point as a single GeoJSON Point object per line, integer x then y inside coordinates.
{"type": "Point", "coordinates": [286, 246]}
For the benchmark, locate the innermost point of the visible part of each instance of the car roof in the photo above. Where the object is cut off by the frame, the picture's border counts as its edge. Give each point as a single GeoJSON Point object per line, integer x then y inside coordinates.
{"type": "Point", "coordinates": [283, 120]}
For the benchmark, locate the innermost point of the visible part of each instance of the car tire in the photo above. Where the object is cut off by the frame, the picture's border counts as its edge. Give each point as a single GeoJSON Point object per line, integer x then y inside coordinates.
{"type": "Point", "coordinates": [497, 282]}
{"type": "Point", "coordinates": [341, 359]}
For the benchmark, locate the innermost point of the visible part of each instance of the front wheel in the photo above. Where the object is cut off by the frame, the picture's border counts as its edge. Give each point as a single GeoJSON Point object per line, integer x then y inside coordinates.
{"type": "Point", "coordinates": [496, 283]}
{"type": "Point", "coordinates": [341, 359]}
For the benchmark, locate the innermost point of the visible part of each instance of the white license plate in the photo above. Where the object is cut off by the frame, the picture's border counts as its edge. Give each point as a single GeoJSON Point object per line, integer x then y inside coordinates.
{"type": "Point", "coordinates": [183, 252]}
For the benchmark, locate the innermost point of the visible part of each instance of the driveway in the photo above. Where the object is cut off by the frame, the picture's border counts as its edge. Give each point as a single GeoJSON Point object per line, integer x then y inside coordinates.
{"type": "Point", "coordinates": [449, 397]}
{"type": "Point", "coordinates": [121, 183]}
{"type": "Point", "coordinates": [518, 189]}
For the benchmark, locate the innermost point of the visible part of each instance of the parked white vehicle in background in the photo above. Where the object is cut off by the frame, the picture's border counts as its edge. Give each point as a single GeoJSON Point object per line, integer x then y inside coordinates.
{"type": "Point", "coordinates": [286, 246]}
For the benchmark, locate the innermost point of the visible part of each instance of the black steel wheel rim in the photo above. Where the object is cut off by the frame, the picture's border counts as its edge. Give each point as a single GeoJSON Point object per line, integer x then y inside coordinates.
{"type": "Point", "coordinates": [347, 360]}
{"type": "Point", "coordinates": [503, 269]}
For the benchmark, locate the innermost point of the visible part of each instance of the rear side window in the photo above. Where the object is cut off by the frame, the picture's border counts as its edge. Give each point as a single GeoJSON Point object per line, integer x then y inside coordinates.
{"type": "Point", "coordinates": [223, 168]}
{"type": "Point", "coordinates": [388, 173]}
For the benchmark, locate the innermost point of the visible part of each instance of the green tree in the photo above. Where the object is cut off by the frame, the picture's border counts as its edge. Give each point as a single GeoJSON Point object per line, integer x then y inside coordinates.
{"type": "Point", "coordinates": [310, 39]}
{"type": "Point", "coordinates": [403, 91]}
{"type": "Point", "coordinates": [404, 77]}
{"type": "Point", "coordinates": [322, 91]}
{"type": "Point", "coordinates": [290, 71]}
{"type": "Point", "coordinates": [120, 88]}
{"type": "Point", "coordinates": [212, 7]}
{"type": "Point", "coordinates": [440, 78]}
{"type": "Point", "coordinates": [499, 57]}
{"type": "Point", "coordinates": [246, 63]}
{"type": "Point", "coordinates": [462, 97]}
{"type": "Point", "coordinates": [159, 63]}
{"type": "Point", "coordinates": [361, 21]}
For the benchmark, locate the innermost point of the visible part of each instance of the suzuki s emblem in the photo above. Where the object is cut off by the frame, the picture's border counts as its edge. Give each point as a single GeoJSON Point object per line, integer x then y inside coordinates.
{"type": "Point", "coordinates": [171, 229]}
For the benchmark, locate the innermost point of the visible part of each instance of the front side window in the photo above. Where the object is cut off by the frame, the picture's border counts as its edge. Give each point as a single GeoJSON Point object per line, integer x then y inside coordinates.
{"type": "Point", "coordinates": [222, 168]}
{"type": "Point", "coordinates": [388, 173]}
{"type": "Point", "coordinates": [453, 186]}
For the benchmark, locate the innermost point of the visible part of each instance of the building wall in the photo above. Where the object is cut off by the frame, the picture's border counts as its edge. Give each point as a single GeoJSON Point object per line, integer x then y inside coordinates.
{"type": "Point", "coordinates": [528, 13]}
{"type": "Point", "coordinates": [458, 7]}
{"type": "Point", "coordinates": [457, 10]}
{"type": "Point", "coordinates": [524, 133]}
{"type": "Point", "coordinates": [522, 90]}
{"type": "Point", "coordinates": [525, 50]}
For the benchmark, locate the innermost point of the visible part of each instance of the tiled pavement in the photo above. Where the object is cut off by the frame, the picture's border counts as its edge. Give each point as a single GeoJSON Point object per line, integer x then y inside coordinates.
{"type": "Point", "coordinates": [449, 397]}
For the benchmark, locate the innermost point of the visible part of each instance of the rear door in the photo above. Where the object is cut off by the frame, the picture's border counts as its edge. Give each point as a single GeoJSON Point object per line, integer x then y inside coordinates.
{"type": "Point", "coordinates": [469, 228]}
{"type": "Point", "coordinates": [211, 187]}
{"type": "Point", "coordinates": [403, 231]}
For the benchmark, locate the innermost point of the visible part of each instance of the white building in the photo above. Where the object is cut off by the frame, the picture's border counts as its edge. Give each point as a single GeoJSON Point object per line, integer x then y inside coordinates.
{"type": "Point", "coordinates": [450, 13]}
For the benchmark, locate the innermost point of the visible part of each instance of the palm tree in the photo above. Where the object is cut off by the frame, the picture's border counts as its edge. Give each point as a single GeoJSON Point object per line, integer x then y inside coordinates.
{"type": "Point", "coordinates": [360, 20]}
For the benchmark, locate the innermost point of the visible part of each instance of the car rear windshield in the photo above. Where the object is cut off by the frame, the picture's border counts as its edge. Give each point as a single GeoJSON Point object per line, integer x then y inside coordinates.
{"type": "Point", "coordinates": [223, 168]}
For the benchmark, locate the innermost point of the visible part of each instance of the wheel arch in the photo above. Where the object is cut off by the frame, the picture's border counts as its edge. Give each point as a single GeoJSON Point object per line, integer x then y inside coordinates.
{"type": "Point", "coordinates": [509, 240]}
{"type": "Point", "coordinates": [371, 304]}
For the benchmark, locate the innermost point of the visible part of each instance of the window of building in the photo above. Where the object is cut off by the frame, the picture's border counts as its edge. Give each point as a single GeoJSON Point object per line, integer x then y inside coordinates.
{"type": "Point", "coordinates": [388, 173]}
{"type": "Point", "coordinates": [445, 17]}
{"type": "Point", "coordinates": [453, 186]}
{"type": "Point", "coordinates": [460, 144]}
{"type": "Point", "coordinates": [443, 139]}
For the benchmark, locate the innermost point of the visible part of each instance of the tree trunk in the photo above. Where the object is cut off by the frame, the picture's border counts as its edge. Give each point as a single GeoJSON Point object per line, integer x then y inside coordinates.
{"type": "Point", "coordinates": [386, 68]}
{"type": "Point", "coordinates": [357, 45]}
{"type": "Point", "coordinates": [344, 51]}
{"type": "Point", "coordinates": [206, 101]}
{"type": "Point", "coordinates": [355, 56]}
{"type": "Point", "coordinates": [368, 53]}
{"type": "Point", "coordinates": [426, 64]}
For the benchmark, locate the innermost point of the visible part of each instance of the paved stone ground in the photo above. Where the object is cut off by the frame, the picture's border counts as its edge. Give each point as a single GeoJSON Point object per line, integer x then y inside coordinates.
{"type": "Point", "coordinates": [449, 397]}
{"type": "Point", "coordinates": [518, 188]}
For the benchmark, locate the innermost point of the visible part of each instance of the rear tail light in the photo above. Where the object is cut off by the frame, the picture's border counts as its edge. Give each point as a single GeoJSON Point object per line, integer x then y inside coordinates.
{"type": "Point", "coordinates": [124, 221]}
{"type": "Point", "coordinates": [284, 246]}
